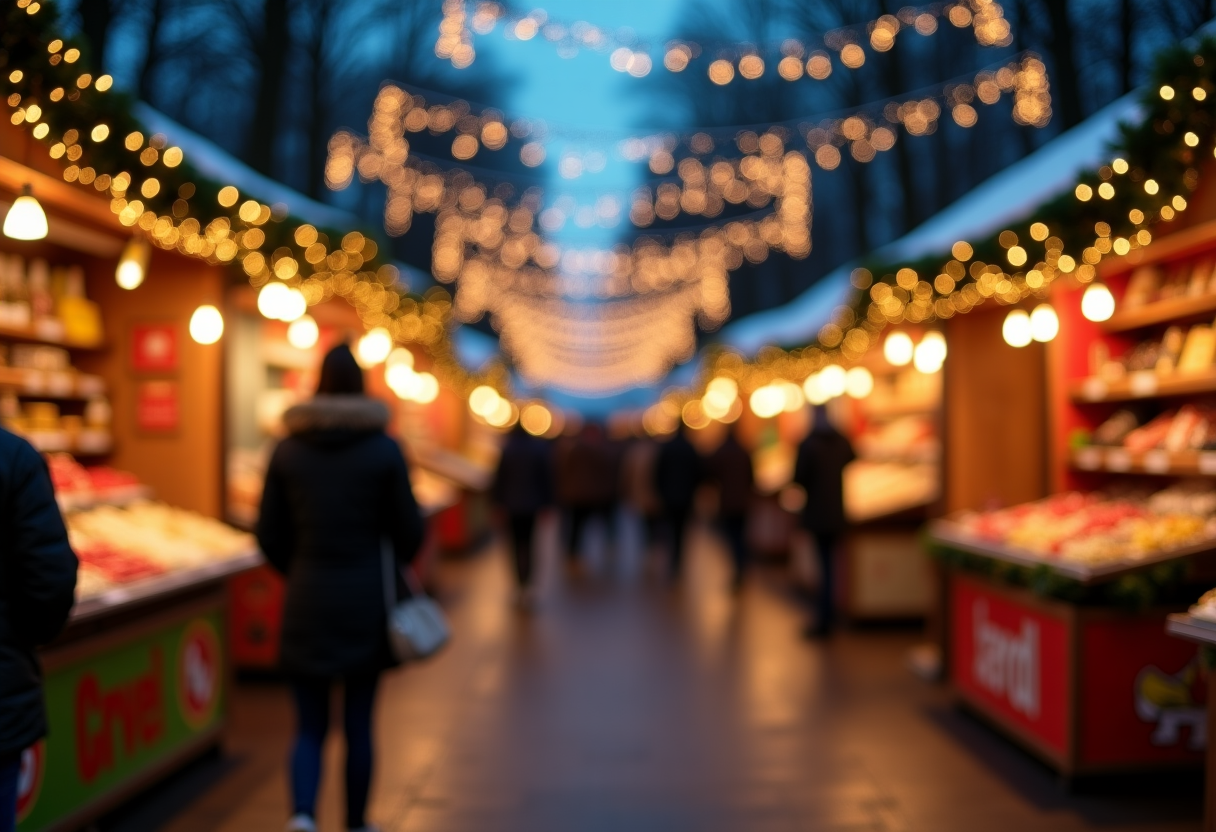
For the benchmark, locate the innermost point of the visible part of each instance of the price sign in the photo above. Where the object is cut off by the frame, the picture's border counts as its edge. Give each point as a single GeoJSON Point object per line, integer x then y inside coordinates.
{"type": "Point", "coordinates": [1142, 383]}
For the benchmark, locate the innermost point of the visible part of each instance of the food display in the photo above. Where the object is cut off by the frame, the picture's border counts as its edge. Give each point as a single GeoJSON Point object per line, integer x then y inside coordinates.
{"type": "Point", "coordinates": [1093, 529]}
{"type": "Point", "coordinates": [78, 486]}
{"type": "Point", "coordinates": [120, 545]}
{"type": "Point", "coordinates": [1151, 283]}
{"type": "Point", "coordinates": [1205, 608]}
{"type": "Point", "coordinates": [906, 439]}
{"type": "Point", "coordinates": [1179, 351]}
{"type": "Point", "coordinates": [876, 489]}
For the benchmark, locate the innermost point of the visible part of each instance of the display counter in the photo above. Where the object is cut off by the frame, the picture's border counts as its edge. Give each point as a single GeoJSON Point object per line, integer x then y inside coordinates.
{"type": "Point", "coordinates": [1049, 651]}
{"type": "Point", "coordinates": [136, 685]}
{"type": "Point", "coordinates": [1201, 629]}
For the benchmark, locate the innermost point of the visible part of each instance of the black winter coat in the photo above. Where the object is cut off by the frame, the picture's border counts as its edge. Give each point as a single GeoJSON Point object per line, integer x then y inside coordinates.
{"type": "Point", "coordinates": [37, 588]}
{"type": "Point", "coordinates": [730, 466]}
{"type": "Point", "coordinates": [677, 472]}
{"type": "Point", "coordinates": [523, 482]}
{"type": "Point", "coordinates": [819, 469]}
{"type": "Point", "coordinates": [335, 489]}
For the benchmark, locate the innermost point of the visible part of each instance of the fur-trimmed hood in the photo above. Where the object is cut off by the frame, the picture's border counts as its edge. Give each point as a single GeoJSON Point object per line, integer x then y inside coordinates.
{"type": "Point", "coordinates": [344, 414]}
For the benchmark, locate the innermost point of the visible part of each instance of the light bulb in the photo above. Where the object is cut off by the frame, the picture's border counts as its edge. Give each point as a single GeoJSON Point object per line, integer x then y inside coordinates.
{"type": "Point", "coordinates": [793, 395]}
{"type": "Point", "coordinates": [1097, 304]}
{"type": "Point", "coordinates": [1016, 330]}
{"type": "Point", "coordinates": [206, 324]}
{"type": "Point", "coordinates": [813, 388]}
{"type": "Point", "coordinates": [767, 401]}
{"type": "Point", "coordinates": [934, 345]}
{"type": "Point", "coordinates": [536, 419]}
{"type": "Point", "coordinates": [373, 347]}
{"type": "Point", "coordinates": [1044, 323]}
{"type": "Point", "coordinates": [271, 300]}
{"type": "Point", "coordinates": [303, 333]}
{"type": "Point", "coordinates": [897, 349]}
{"type": "Point", "coordinates": [427, 388]}
{"type": "Point", "coordinates": [25, 219]}
{"type": "Point", "coordinates": [293, 306]}
{"type": "Point", "coordinates": [858, 383]}
{"type": "Point", "coordinates": [400, 379]}
{"type": "Point", "coordinates": [400, 356]}
{"type": "Point", "coordinates": [832, 380]}
{"type": "Point", "coordinates": [133, 264]}
{"type": "Point", "coordinates": [483, 400]}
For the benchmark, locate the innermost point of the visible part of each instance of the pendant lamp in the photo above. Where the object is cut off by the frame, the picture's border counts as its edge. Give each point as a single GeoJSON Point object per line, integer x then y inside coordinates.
{"type": "Point", "coordinates": [25, 219]}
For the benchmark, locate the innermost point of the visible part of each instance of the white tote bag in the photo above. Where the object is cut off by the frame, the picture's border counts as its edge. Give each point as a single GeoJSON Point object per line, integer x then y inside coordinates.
{"type": "Point", "coordinates": [417, 627]}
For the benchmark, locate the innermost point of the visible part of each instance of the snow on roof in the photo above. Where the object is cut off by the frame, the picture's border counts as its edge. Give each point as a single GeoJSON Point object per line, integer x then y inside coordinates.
{"type": "Point", "coordinates": [216, 163]}
{"type": "Point", "coordinates": [1006, 197]}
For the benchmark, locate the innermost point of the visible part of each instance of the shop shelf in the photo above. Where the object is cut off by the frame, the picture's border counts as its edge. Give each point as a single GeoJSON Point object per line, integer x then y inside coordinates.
{"type": "Point", "coordinates": [1199, 239]}
{"type": "Point", "coordinates": [1144, 384]}
{"type": "Point", "coordinates": [87, 443]}
{"type": "Point", "coordinates": [1170, 311]}
{"type": "Point", "coordinates": [1154, 462]}
{"type": "Point", "coordinates": [40, 335]}
{"type": "Point", "coordinates": [953, 535]}
{"type": "Point", "coordinates": [51, 385]}
{"type": "Point", "coordinates": [1189, 627]}
{"type": "Point", "coordinates": [161, 586]}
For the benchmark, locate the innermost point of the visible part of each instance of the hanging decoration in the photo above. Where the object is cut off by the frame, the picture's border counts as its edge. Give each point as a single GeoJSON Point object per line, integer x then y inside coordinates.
{"type": "Point", "coordinates": [792, 58]}
{"type": "Point", "coordinates": [154, 190]}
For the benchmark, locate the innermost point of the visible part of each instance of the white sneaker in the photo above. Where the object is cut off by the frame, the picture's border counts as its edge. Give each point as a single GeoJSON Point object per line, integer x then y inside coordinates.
{"type": "Point", "coordinates": [301, 823]}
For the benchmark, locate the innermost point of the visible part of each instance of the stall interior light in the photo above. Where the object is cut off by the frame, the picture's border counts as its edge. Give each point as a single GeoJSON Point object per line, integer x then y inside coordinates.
{"type": "Point", "coordinates": [373, 347]}
{"type": "Point", "coordinates": [303, 333]}
{"type": "Point", "coordinates": [1017, 328]}
{"type": "Point", "coordinates": [858, 383]}
{"type": "Point", "coordinates": [206, 324]}
{"type": "Point", "coordinates": [1097, 304]}
{"type": "Point", "coordinates": [930, 353]}
{"type": "Point", "coordinates": [25, 219]}
{"type": "Point", "coordinates": [133, 264]}
{"type": "Point", "coordinates": [1044, 323]}
{"type": "Point", "coordinates": [897, 349]}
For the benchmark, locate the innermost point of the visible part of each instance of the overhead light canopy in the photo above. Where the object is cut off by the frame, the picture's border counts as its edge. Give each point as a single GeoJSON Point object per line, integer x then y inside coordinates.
{"type": "Point", "coordinates": [25, 219]}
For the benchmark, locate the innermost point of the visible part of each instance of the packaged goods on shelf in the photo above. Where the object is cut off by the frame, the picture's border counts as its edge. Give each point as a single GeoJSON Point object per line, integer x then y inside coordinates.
{"type": "Point", "coordinates": [118, 545]}
{"type": "Point", "coordinates": [47, 302]}
{"type": "Point", "coordinates": [1205, 608]}
{"type": "Point", "coordinates": [1096, 529]}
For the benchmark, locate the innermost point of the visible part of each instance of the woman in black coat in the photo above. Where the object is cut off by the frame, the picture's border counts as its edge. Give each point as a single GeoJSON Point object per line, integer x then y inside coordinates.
{"type": "Point", "coordinates": [37, 588]}
{"type": "Point", "coordinates": [337, 495]}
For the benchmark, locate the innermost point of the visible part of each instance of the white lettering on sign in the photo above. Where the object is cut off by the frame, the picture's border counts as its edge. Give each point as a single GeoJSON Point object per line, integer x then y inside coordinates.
{"type": "Point", "coordinates": [1006, 663]}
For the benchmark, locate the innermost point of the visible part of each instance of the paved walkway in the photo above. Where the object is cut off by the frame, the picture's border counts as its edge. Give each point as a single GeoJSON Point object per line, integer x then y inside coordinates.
{"type": "Point", "coordinates": [621, 703]}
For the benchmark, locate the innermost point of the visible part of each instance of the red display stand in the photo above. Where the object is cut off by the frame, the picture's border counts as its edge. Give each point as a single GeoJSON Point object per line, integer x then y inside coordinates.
{"type": "Point", "coordinates": [1087, 689]}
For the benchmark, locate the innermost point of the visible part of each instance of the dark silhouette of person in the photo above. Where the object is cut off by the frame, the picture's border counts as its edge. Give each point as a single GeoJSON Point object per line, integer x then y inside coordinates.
{"type": "Point", "coordinates": [337, 496]}
{"type": "Point", "coordinates": [677, 472]}
{"type": "Point", "coordinates": [586, 483]}
{"type": "Point", "coordinates": [37, 590]}
{"type": "Point", "coordinates": [522, 488]}
{"type": "Point", "coordinates": [730, 467]}
{"type": "Point", "coordinates": [819, 469]}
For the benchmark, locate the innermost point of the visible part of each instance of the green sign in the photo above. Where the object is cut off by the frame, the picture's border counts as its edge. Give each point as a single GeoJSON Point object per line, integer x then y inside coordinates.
{"type": "Point", "coordinates": [120, 713]}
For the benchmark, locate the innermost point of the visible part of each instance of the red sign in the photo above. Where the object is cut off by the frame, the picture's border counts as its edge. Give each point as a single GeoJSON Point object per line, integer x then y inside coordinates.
{"type": "Point", "coordinates": [29, 778]}
{"type": "Point", "coordinates": [123, 719]}
{"type": "Point", "coordinates": [1012, 658]}
{"type": "Point", "coordinates": [1143, 698]}
{"type": "Point", "coordinates": [198, 673]}
{"type": "Point", "coordinates": [156, 406]}
{"type": "Point", "coordinates": [154, 348]}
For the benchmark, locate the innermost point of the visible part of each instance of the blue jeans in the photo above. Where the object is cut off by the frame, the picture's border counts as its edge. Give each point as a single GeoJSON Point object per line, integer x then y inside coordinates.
{"type": "Point", "coordinates": [10, 768]}
{"type": "Point", "coordinates": [312, 708]}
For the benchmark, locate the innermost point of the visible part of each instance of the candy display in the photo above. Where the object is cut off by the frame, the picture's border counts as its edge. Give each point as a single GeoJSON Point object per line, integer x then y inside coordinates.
{"type": "Point", "coordinates": [118, 545]}
{"type": "Point", "coordinates": [77, 486]}
{"type": "Point", "coordinates": [1096, 529]}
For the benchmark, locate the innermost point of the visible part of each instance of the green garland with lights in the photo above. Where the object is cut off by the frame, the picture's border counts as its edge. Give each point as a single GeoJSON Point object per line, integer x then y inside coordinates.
{"type": "Point", "coordinates": [49, 91]}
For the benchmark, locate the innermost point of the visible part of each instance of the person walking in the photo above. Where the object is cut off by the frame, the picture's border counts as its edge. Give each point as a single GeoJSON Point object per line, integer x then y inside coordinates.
{"type": "Point", "coordinates": [587, 484]}
{"type": "Point", "coordinates": [37, 590]}
{"type": "Point", "coordinates": [677, 472]}
{"type": "Point", "coordinates": [730, 467]}
{"type": "Point", "coordinates": [819, 469]}
{"type": "Point", "coordinates": [523, 487]}
{"type": "Point", "coordinates": [337, 496]}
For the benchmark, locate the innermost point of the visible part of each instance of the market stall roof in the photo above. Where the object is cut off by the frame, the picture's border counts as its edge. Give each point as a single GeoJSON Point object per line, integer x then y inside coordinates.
{"type": "Point", "coordinates": [1009, 195]}
{"type": "Point", "coordinates": [216, 163]}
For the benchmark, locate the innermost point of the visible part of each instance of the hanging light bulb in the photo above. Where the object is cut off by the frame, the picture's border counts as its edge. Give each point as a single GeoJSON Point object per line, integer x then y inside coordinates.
{"type": "Point", "coordinates": [832, 380]}
{"type": "Point", "coordinates": [1044, 323]}
{"type": "Point", "coordinates": [206, 324]}
{"type": "Point", "coordinates": [133, 264]}
{"type": "Point", "coordinates": [1097, 304]}
{"type": "Point", "coordinates": [934, 346]}
{"type": "Point", "coordinates": [427, 388]}
{"type": "Point", "coordinates": [303, 333]}
{"type": "Point", "coordinates": [25, 219]}
{"type": "Point", "coordinates": [272, 298]}
{"type": "Point", "coordinates": [1017, 328]}
{"type": "Point", "coordinates": [897, 349]}
{"type": "Point", "coordinates": [373, 347]}
{"type": "Point", "coordinates": [858, 383]}
{"type": "Point", "coordinates": [293, 306]}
